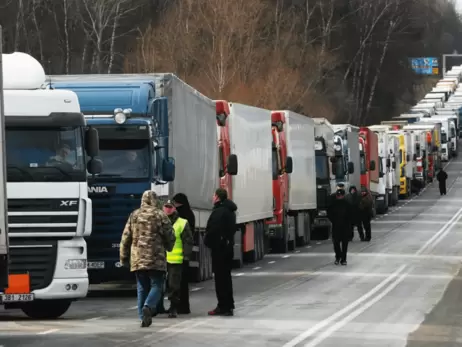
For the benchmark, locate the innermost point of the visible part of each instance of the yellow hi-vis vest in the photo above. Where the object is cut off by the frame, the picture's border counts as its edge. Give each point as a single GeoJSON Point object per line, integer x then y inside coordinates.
{"type": "Point", "coordinates": [176, 255]}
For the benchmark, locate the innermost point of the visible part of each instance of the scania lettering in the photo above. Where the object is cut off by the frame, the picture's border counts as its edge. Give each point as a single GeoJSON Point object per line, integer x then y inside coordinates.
{"type": "Point", "coordinates": [98, 190]}
{"type": "Point", "coordinates": [49, 213]}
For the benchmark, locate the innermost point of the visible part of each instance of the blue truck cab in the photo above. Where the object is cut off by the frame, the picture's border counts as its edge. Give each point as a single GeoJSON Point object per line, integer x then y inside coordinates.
{"type": "Point", "coordinates": [131, 117]}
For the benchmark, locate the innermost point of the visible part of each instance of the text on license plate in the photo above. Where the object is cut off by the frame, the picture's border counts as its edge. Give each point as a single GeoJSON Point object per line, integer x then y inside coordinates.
{"type": "Point", "coordinates": [17, 297]}
{"type": "Point", "coordinates": [95, 265]}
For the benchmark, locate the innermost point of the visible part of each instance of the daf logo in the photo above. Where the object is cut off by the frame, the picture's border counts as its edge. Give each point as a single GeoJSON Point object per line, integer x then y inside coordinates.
{"type": "Point", "coordinates": [68, 203]}
{"type": "Point", "coordinates": [98, 190]}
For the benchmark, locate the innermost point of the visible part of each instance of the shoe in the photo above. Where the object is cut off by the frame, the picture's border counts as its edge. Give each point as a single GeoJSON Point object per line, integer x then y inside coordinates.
{"type": "Point", "coordinates": [343, 262]}
{"type": "Point", "coordinates": [147, 317]}
{"type": "Point", "coordinates": [220, 312]}
{"type": "Point", "coordinates": [336, 262]}
{"type": "Point", "coordinates": [172, 313]}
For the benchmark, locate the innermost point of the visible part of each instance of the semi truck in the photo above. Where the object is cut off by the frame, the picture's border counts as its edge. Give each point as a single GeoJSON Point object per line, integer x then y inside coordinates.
{"type": "Point", "coordinates": [448, 134]}
{"type": "Point", "coordinates": [325, 176]}
{"type": "Point", "coordinates": [148, 124]}
{"type": "Point", "coordinates": [298, 203]}
{"type": "Point", "coordinates": [4, 249]}
{"type": "Point", "coordinates": [49, 213]}
{"type": "Point", "coordinates": [385, 186]}
{"type": "Point", "coordinates": [369, 155]}
{"type": "Point", "coordinates": [349, 139]}
{"type": "Point", "coordinates": [420, 139]}
{"type": "Point", "coordinates": [250, 153]}
{"type": "Point", "coordinates": [393, 143]}
{"type": "Point", "coordinates": [436, 138]}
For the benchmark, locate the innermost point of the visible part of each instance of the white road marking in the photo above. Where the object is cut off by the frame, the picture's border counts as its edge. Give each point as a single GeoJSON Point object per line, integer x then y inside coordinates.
{"type": "Point", "coordinates": [329, 320]}
{"type": "Point", "coordinates": [286, 256]}
{"type": "Point", "coordinates": [388, 283]}
{"type": "Point", "coordinates": [257, 268]}
{"type": "Point", "coordinates": [382, 255]}
{"type": "Point", "coordinates": [363, 308]}
{"type": "Point", "coordinates": [46, 332]}
{"type": "Point", "coordinates": [318, 243]}
{"type": "Point", "coordinates": [134, 308]}
{"type": "Point", "coordinates": [271, 262]}
{"type": "Point", "coordinates": [94, 318]}
{"type": "Point", "coordinates": [196, 289]}
{"type": "Point", "coordinates": [412, 222]}
{"type": "Point", "coordinates": [239, 274]}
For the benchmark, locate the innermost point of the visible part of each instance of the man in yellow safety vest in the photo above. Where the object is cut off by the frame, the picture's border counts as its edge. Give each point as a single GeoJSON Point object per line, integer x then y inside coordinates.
{"type": "Point", "coordinates": [181, 251]}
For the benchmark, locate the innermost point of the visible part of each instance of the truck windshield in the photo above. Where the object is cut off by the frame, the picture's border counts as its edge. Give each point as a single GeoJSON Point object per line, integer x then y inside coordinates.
{"type": "Point", "coordinates": [339, 168]}
{"type": "Point", "coordinates": [362, 163]}
{"type": "Point", "coordinates": [401, 158]}
{"type": "Point", "coordinates": [322, 169]}
{"type": "Point", "coordinates": [444, 138]}
{"type": "Point", "coordinates": [124, 151]}
{"type": "Point", "coordinates": [45, 154]}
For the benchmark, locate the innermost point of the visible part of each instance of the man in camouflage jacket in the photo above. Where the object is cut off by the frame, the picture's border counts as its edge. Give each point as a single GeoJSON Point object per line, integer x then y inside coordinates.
{"type": "Point", "coordinates": [147, 236]}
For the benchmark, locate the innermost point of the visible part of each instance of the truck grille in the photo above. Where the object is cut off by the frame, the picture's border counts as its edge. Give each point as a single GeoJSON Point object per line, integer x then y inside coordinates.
{"type": "Point", "coordinates": [110, 214]}
{"type": "Point", "coordinates": [37, 216]}
{"type": "Point", "coordinates": [36, 257]}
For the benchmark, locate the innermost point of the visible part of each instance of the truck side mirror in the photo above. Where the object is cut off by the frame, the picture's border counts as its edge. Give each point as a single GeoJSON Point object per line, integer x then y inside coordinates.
{"type": "Point", "coordinates": [415, 157]}
{"type": "Point", "coordinates": [351, 167]}
{"type": "Point", "coordinates": [168, 169]}
{"type": "Point", "coordinates": [289, 165]}
{"type": "Point", "coordinates": [372, 165]}
{"type": "Point", "coordinates": [92, 142]}
{"type": "Point", "coordinates": [388, 162]}
{"type": "Point", "coordinates": [393, 165]}
{"type": "Point", "coordinates": [94, 166]}
{"type": "Point", "coordinates": [232, 165]}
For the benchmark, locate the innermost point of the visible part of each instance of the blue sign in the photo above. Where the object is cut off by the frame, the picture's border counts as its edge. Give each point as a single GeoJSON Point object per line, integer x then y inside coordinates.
{"type": "Point", "coordinates": [425, 66]}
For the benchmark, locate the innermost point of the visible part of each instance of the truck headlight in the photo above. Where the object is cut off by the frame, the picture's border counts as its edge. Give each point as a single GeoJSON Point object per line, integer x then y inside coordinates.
{"type": "Point", "coordinates": [322, 213]}
{"type": "Point", "coordinates": [75, 264]}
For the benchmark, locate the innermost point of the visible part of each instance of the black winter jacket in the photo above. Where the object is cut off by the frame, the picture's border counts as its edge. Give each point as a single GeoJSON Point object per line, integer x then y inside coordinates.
{"type": "Point", "coordinates": [221, 226]}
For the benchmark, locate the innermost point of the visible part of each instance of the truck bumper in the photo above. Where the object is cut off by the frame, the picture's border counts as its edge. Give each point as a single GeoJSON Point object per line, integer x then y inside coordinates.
{"type": "Point", "coordinates": [60, 288]}
{"type": "Point", "coordinates": [321, 222]}
{"type": "Point", "coordinates": [402, 186]}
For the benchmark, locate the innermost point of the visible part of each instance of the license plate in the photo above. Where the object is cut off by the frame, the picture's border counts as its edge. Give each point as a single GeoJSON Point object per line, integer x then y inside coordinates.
{"type": "Point", "coordinates": [95, 265]}
{"type": "Point", "coordinates": [17, 297]}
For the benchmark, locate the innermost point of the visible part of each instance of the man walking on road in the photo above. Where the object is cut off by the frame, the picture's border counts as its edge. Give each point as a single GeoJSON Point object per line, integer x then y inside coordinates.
{"type": "Point", "coordinates": [147, 236]}
{"type": "Point", "coordinates": [339, 214]}
{"type": "Point", "coordinates": [219, 237]}
{"type": "Point", "coordinates": [354, 199]}
{"type": "Point", "coordinates": [442, 176]}
{"type": "Point", "coordinates": [365, 214]}
{"type": "Point", "coordinates": [181, 252]}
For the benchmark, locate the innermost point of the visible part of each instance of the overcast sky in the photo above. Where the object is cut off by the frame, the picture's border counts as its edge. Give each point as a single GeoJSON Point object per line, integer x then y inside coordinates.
{"type": "Point", "coordinates": [459, 5]}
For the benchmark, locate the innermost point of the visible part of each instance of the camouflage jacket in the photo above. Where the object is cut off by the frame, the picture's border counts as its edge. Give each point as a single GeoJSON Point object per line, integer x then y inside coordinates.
{"type": "Point", "coordinates": [148, 234]}
{"type": "Point", "coordinates": [186, 237]}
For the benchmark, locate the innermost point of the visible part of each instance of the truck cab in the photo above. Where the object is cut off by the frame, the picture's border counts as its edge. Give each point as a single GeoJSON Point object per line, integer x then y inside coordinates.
{"type": "Point", "coordinates": [404, 182]}
{"type": "Point", "coordinates": [130, 114]}
{"type": "Point", "coordinates": [49, 212]}
{"type": "Point", "coordinates": [395, 171]}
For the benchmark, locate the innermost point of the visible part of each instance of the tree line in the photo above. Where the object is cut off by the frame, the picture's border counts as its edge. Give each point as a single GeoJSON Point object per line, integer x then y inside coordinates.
{"type": "Point", "coordinates": [346, 60]}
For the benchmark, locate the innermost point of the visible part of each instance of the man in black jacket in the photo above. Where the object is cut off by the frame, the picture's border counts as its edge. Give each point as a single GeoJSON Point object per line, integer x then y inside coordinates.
{"type": "Point", "coordinates": [442, 176]}
{"type": "Point", "coordinates": [340, 213]}
{"type": "Point", "coordinates": [219, 237]}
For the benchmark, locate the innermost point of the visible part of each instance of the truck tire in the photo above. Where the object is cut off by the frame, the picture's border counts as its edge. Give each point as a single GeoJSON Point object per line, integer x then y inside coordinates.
{"type": "Point", "coordinates": [307, 229]}
{"type": "Point", "coordinates": [282, 245]}
{"type": "Point", "coordinates": [46, 309]}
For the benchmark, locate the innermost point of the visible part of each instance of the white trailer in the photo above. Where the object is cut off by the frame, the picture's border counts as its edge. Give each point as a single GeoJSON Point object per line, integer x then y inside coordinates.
{"type": "Point", "coordinates": [410, 163]}
{"type": "Point", "coordinates": [350, 136]}
{"type": "Point", "coordinates": [302, 180]}
{"type": "Point", "coordinates": [3, 193]}
{"type": "Point", "coordinates": [448, 135]}
{"type": "Point", "coordinates": [250, 140]}
{"type": "Point", "coordinates": [393, 142]}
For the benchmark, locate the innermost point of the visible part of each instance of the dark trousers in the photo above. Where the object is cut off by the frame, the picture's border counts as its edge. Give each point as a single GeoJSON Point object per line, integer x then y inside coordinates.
{"type": "Point", "coordinates": [366, 223]}
{"type": "Point", "coordinates": [160, 306]}
{"type": "Point", "coordinates": [340, 249]}
{"type": "Point", "coordinates": [222, 265]}
{"type": "Point", "coordinates": [442, 189]}
{"type": "Point", "coordinates": [184, 290]}
{"type": "Point", "coordinates": [174, 284]}
{"type": "Point", "coordinates": [358, 224]}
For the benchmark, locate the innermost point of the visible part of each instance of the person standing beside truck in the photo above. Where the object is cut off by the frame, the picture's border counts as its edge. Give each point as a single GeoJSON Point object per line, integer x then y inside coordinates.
{"type": "Point", "coordinates": [219, 237]}
{"type": "Point", "coordinates": [442, 176]}
{"type": "Point", "coordinates": [146, 237]}
{"type": "Point", "coordinates": [365, 213]}
{"type": "Point", "coordinates": [181, 252]}
{"type": "Point", "coordinates": [354, 199]}
{"type": "Point", "coordinates": [339, 213]}
{"type": "Point", "coordinates": [184, 211]}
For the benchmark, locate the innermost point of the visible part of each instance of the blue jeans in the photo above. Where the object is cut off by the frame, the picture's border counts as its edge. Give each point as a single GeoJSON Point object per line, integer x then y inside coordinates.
{"type": "Point", "coordinates": [149, 285]}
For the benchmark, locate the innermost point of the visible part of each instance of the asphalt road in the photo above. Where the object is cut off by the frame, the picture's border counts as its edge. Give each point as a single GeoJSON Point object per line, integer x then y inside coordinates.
{"type": "Point", "coordinates": [401, 289]}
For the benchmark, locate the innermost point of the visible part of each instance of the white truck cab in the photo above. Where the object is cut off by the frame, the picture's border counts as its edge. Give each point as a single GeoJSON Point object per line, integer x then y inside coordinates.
{"type": "Point", "coordinates": [49, 212]}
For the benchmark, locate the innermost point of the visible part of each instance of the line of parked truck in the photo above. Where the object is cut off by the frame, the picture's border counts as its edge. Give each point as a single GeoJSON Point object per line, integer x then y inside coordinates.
{"type": "Point", "coordinates": [119, 135]}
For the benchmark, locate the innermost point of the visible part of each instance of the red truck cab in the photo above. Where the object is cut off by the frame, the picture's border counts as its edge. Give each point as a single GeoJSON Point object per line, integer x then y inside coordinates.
{"type": "Point", "coordinates": [280, 181]}
{"type": "Point", "coordinates": [369, 156]}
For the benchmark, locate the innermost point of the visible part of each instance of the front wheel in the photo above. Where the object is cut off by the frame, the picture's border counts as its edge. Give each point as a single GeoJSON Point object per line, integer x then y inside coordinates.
{"type": "Point", "coordinates": [46, 309]}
